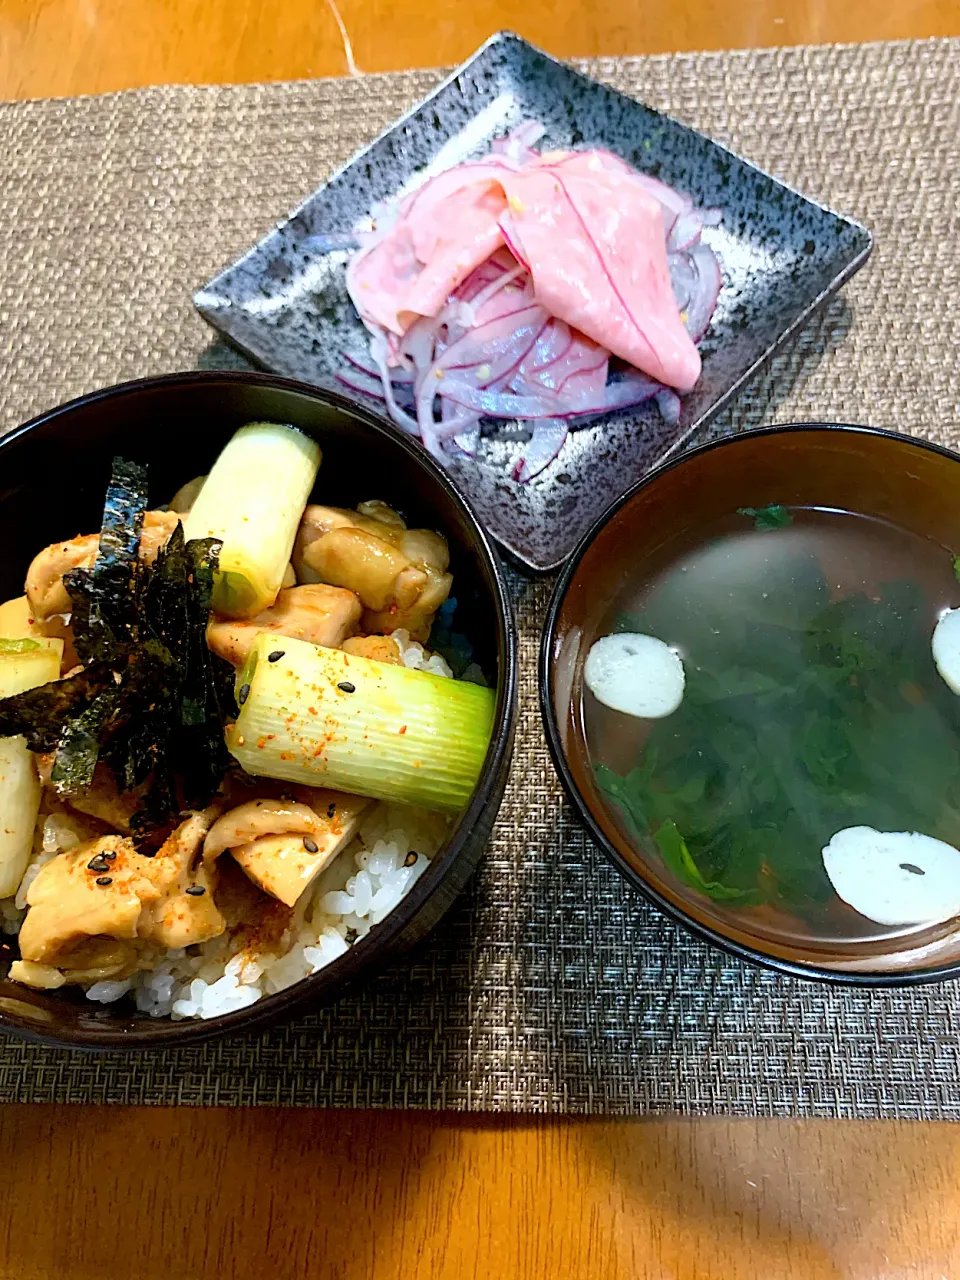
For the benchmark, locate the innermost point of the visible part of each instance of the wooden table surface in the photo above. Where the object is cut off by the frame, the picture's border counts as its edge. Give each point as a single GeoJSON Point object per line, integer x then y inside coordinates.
{"type": "Point", "coordinates": [183, 1194]}
{"type": "Point", "coordinates": [50, 47]}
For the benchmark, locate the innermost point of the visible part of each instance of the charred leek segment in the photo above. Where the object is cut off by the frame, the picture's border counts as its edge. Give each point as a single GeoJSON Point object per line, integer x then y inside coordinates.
{"type": "Point", "coordinates": [325, 718]}
{"type": "Point", "coordinates": [24, 664]}
{"type": "Point", "coordinates": [19, 806]}
{"type": "Point", "coordinates": [252, 501]}
{"type": "Point", "coordinates": [15, 618]}
{"type": "Point", "coordinates": [18, 623]}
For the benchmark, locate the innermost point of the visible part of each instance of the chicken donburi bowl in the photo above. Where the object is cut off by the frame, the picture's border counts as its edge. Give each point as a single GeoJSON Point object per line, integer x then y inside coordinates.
{"type": "Point", "coordinates": [233, 733]}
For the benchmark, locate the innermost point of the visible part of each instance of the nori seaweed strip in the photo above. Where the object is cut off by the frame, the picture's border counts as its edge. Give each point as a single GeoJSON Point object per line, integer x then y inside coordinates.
{"type": "Point", "coordinates": [40, 714]}
{"type": "Point", "coordinates": [162, 594]}
{"type": "Point", "coordinates": [145, 722]}
{"type": "Point", "coordinates": [145, 746]}
{"type": "Point", "coordinates": [184, 726]}
{"type": "Point", "coordinates": [79, 745]}
{"type": "Point", "coordinates": [79, 584]}
{"type": "Point", "coordinates": [208, 685]}
{"type": "Point", "coordinates": [152, 699]}
{"type": "Point", "coordinates": [204, 554]}
{"type": "Point", "coordinates": [137, 733]}
{"type": "Point", "coordinates": [104, 616]}
{"type": "Point", "coordinates": [158, 813]}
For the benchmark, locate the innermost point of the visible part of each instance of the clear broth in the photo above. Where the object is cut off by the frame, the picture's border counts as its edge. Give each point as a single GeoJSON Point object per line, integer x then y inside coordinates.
{"type": "Point", "coordinates": [812, 704]}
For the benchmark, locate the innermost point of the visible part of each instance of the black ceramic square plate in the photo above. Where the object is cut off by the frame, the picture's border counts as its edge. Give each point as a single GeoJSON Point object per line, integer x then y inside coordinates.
{"type": "Point", "coordinates": [285, 303]}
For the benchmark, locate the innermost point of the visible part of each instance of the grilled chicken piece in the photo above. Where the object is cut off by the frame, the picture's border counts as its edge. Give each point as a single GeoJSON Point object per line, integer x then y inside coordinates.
{"type": "Point", "coordinates": [257, 923]}
{"type": "Point", "coordinates": [416, 618]}
{"type": "Point", "coordinates": [258, 818]}
{"type": "Point", "coordinates": [42, 977]}
{"type": "Point", "coordinates": [321, 614]}
{"type": "Point", "coordinates": [377, 648]}
{"type": "Point", "coordinates": [284, 845]}
{"type": "Point", "coordinates": [71, 919]}
{"type": "Point", "coordinates": [400, 574]}
{"type": "Point", "coordinates": [100, 799]}
{"type": "Point", "coordinates": [90, 907]}
{"type": "Point", "coordinates": [178, 918]}
{"type": "Point", "coordinates": [379, 573]}
{"type": "Point", "coordinates": [45, 589]}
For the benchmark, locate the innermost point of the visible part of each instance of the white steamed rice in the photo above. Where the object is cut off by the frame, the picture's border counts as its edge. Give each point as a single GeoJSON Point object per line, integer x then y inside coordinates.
{"type": "Point", "coordinates": [362, 885]}
{"type": "Point", "coordinates": [359, 888]}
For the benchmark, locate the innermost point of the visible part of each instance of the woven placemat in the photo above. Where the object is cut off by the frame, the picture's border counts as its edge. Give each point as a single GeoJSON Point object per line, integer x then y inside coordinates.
{"type": "Point", "coordinates": [550, 986]}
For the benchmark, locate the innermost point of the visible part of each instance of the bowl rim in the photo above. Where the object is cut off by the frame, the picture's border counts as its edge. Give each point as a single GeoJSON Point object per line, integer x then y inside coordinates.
{"type": "Point", "coordinates": [545, 681]}
{"type": "Point", "coordinates": [355, 965]}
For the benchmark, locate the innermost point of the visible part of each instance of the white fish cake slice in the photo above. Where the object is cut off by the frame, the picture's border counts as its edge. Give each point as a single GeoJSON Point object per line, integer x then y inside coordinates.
{"type": "Point", "coordinates": [636, 674]}
{"type": "Point", "coordinates": [946, 648]}
{"type": "Point", "coordinates": [894, 877]}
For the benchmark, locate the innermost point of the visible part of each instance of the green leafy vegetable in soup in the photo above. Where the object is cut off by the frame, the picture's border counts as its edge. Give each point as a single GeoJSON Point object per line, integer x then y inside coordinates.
{"type": "Point", "coordinates": [767, 518]}
{"type": "Point", "coordinates": [804, 713]}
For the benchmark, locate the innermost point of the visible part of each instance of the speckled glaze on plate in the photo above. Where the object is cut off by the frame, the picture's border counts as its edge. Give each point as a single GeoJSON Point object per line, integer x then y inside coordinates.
{"type": "Point", "coordinates": [285, 302]}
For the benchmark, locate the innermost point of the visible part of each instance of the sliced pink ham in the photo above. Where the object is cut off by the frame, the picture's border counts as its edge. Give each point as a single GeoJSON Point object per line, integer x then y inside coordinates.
{"type": "Point", "coordinates": [590, 230]}
{"type": "Point", "coordinates": [500, 288]}
{"type": "Point", "coordinates": [379, 276]}
{"type": "Point", "coordinates": [444, 231]}
{"type": "Point", "coordinates": [451, 240]}
{"type": "Point", "coordinates": [593, 237]}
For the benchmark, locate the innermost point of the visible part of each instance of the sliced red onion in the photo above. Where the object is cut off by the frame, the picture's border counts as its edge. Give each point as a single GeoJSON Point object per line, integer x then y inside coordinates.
{"type": "Point", "coordinates": [686, 231]}
{"type": "Point", "coordinates": [588, 371]}
{"type": "Point", "coordinates": [498, 404]}
{"type": "Point", "coordinates": [517, 145]}
{"type": "Point", "coordinates": [564, 363]}
{"type": "Point", "coordinates": [668, 402]}
{"type": "Point", "coordinates": [684, 278]}
{"type": "Point", "coordinates": [508, 230]}
{"type": "Point", "coordinates": [703, 301]}
{"type": "Point", "coordinates": [364, 363]}
{"type": "Point", "coordinates": [378, 349]}
{"type": "Point", "coordinates": [554, 342]}
{"type": "Point", "coordinates": [364, 383]}
{"type": "Point", "coordinates": [547, 441]}
{"type": "Point", "coordinates": [493, 351]}
{"type": "Point", "coordinates": [418, 345]}
{"type": "Point", "coordinates": [487, 273]}
{"type": "Point", "coordinates": [457, 421]}
{"type": "Point", "coordinates": [489, 291]}
{"type": "Point", "coordinates": [631, 390]}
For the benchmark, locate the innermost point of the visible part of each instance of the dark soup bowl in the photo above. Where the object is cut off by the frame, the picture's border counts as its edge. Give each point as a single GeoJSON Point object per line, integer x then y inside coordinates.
{"type": "Point", "coordinates": [54, 473]}
{"type": "Point", "coordinates": [749, 680]}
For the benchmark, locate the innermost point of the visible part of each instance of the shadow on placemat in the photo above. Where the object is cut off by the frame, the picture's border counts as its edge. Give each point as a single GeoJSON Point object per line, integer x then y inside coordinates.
{"type": "Point", "coordinates": [550, 986]}
{"type": "Point", "coordinates": [221, 355]}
